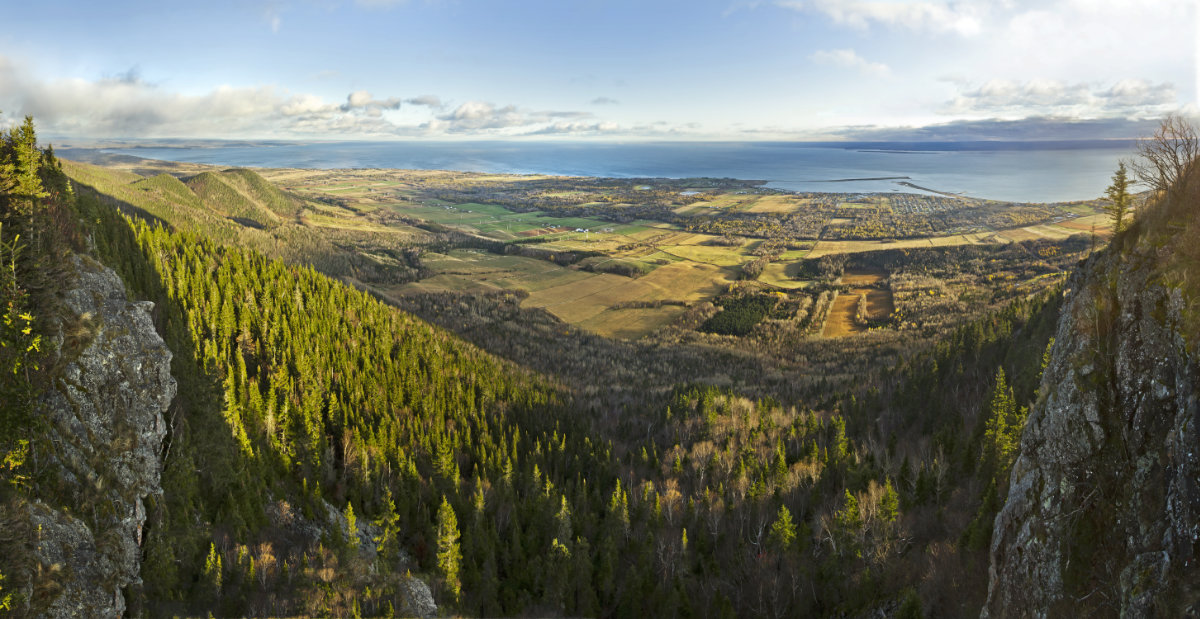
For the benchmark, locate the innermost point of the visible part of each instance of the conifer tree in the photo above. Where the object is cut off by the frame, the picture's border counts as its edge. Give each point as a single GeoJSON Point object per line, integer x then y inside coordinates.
{"type": "Point", "coordinates": [1120, 200]}
{"type": "Point", "coordinates": [889, 504]}
{"type": "Point", "coordinates": [1002, 430]}
{"type": "Point", "coordinates": [563, 518]}
{"type": "Point", "coordinates": [387, 543]}
{"type": "Point", "coordinates": [212, 574]}
{"type": "Point", "coordinates": [783, 530]}
{"type": "Point", "coordinates": [449, 556]}
{"type": "Point", "coordinates": [8, 173]}
{"type": "Point", "coordinates": [351, 526]}
{"type": "Point", "coordinates": [27, 161]}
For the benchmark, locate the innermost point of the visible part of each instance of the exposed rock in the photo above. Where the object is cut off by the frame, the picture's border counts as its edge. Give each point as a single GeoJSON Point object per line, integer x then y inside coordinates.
{"type": "Point", "coordinates": [1103, 512]}
{"type": "Point", "coordinates": [106, 425]}
{"type": "Point", "coordinates": [418, 599]}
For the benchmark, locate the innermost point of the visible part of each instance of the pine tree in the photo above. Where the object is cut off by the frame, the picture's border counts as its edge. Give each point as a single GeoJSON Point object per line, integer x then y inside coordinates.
{"type": "Point", "coordinates": [848, 524]}
{"type": "Point", "coordinates": [8, 173]}
{"type": "Point", "coordinates": [388, 542]}
{"type": "Point", "coordinates": [212, 574]}
{"type": "Point", "coordinates": [618, 510]}
{"type": "Point", "coordinates": [449, 556]}
{"type": "Point", "coordinates": [28, 160]}
{"type": "Point", "coordinates": [783, 530]}
{"type": "Point", "coordinates": [1002, 429]}
{"type": "Point", "coordinates": [1120, 200]}
{"type": "Point", "coordinates": [563, 518]}
{"type": "Point", "coordinates": [889, 504]}
{"type": "Point", "coordinates": [351, 526]}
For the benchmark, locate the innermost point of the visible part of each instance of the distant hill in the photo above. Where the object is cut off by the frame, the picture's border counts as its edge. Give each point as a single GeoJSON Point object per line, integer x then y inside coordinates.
{"type": "Point", "coordinates": [244, 196]}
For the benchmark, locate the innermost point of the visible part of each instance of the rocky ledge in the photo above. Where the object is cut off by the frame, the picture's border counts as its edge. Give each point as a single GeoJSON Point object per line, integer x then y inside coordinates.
{"type": "Point", "coordinates": [105, 414]}
{"type": "Point", "coordinates": [1103, 514]}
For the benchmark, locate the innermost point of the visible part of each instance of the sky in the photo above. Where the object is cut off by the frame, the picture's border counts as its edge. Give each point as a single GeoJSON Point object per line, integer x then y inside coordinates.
{"type": "Point", "coordinates": [599, 69]}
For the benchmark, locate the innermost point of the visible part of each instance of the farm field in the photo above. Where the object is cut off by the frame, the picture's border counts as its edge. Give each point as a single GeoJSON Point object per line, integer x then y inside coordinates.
{"type": "Point", "coordinates": [824, 248]}
{"type": "Point", "coordinates": [880, 304]}
{"type": "Point", "coordinates": [653, 231]}
{"type": "Point", "coordinates": [677, 265]}
{"type": "Point", "coordinates": [591, 302]}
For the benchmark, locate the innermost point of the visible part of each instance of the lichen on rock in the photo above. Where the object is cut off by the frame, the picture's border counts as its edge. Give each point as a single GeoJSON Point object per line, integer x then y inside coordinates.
{"type": "Point", "coordinates": [106, 428]}
{"type": "Point", "coordinates": [1103, 514]}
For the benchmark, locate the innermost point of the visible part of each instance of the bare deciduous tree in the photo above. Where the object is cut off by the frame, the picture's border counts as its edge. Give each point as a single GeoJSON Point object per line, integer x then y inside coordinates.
{"type": "Point", "coordinates": [1168, 157]}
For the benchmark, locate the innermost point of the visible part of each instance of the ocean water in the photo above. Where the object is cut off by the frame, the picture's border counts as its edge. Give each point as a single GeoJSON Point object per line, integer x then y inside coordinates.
{"type": "Point", "coordinates": [1012, 171]}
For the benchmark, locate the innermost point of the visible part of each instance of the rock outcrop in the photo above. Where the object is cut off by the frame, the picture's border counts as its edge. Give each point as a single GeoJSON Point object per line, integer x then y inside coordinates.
{"type": "Point", "coordinates": [1103, 512]}
{"type": "Point", "coordinates": [105, 414]}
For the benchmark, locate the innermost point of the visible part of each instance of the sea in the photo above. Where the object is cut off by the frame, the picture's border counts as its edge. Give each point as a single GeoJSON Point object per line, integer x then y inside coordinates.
{"type": "Point", "coordinates": [1006, 171]}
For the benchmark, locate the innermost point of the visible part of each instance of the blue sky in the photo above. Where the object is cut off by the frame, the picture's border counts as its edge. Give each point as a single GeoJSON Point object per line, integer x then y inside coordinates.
{"type": "Point", "coordinates": [599, 69]}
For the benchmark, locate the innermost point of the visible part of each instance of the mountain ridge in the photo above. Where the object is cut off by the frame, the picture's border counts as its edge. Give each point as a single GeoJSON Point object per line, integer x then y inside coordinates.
{"type": "Point", "coordinates": [1105, 493]}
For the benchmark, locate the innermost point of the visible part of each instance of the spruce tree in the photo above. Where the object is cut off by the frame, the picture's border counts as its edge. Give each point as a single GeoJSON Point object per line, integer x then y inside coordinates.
{"type": "Point", "coordinates": [783, 530]}
{"type": "Point", "coordinates": [351, 526]}
{"type": "Point", "coordinates": [388, 542]}
{"type": "Point", "coordinates": [449, 556]}
{"type": "Point", "coordinates": [889, 504]}
{"type": "Point", "coordinates": [1118, 195]}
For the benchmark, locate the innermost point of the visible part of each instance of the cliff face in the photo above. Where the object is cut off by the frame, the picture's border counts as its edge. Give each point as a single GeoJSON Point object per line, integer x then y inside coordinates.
{"type": "Point", "coordinates": [106, 425]}
{"type": "Point", "coordinates": [1103, 512]}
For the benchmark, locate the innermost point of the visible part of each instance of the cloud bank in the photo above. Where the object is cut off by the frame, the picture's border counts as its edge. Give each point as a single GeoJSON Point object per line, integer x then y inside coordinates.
{"type": "Point", "coordinates": [127, 106]}
{"type": "Point", "coordinates": [1131, 98]}
{"type": "Point", "coordinates": [993, 129]}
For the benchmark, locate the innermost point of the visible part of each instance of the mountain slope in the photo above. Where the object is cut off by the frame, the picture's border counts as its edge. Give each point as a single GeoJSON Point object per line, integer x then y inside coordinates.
{"type": "Point", "coordinates": [244, 196]}
{"type": "Point", "coordinates": [1103, 512]}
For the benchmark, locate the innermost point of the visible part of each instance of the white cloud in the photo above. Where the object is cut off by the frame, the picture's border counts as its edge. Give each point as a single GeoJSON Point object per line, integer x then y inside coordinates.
{"type": "Point", "coordinates": [849, 59]}
{"type": "Point", "coordinates": [604, 101]}
{"type": "Point", "coordinates": [485, 117]}
{"type": "Point", "coordinates": [432, 101]}
{"type": "Point", "coordinates": [1131, 98]}
{"type": "Point", "coordinates": [1138, 93]}
{"type": "Point", "coordinates": [963, 17]}
{"type": "Point", "coordinates": [576, 128]}
{"type": "Point", "coordinates": [361, 100]}
{"type": "Point", "coordinates": [126, 106]}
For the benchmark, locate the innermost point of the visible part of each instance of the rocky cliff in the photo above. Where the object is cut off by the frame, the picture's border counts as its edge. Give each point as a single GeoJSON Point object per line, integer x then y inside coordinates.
{"type": "Point", "coordinates": [1103, 512]}
{"type": "Point", "coordinates": [106, 429]}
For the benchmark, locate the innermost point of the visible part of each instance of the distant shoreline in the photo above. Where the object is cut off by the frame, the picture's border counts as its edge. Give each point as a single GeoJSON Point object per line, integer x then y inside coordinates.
{"type": "Point", "coordinates": [1007, 175]}
{"type": "Point", "coordinates": [944, 193]}
{"type": "Point", "coordinates": [871, 178]}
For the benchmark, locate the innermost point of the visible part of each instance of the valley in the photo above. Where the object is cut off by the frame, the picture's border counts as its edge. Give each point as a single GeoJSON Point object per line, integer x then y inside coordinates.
{"type": "Point", "coordinates": [523, 339]}
{"type": "Point", "coordinates": [852, 310]}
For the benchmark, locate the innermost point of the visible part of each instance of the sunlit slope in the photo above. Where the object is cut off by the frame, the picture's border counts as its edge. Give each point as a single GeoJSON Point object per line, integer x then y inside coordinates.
{"type": "Point", "coordinates": [245, 196]}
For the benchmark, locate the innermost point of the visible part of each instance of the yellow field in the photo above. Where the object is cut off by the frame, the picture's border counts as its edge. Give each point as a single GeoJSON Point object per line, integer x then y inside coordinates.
{"type": "Point", "coordinates": [578, 301]}
{"type": "Point", "coordinates": [632, 323]}
{"type": "Point", "coordinates": [362, 225]}
{"type": "Point", "coordinates": [709, 254]}
{"type": "Point", "coordinates": [586, 302]}
{"type": "Point", "coordinates": [776, 274]}
{"type": "Point", "coordinates": [688, 281]}
{"type": "Point", "coordinates": [845, 306]}
{"type": "Point", "coordinates": [776, 204]}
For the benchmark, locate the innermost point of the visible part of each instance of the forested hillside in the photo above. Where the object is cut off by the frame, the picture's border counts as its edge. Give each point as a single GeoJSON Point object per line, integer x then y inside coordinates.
{"type": "Point", "coordinates": [325, 448]}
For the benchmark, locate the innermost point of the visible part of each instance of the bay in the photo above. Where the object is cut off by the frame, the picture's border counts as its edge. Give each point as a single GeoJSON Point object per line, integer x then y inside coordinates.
{"type": "Point", "coordinates": [1008, 171]}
